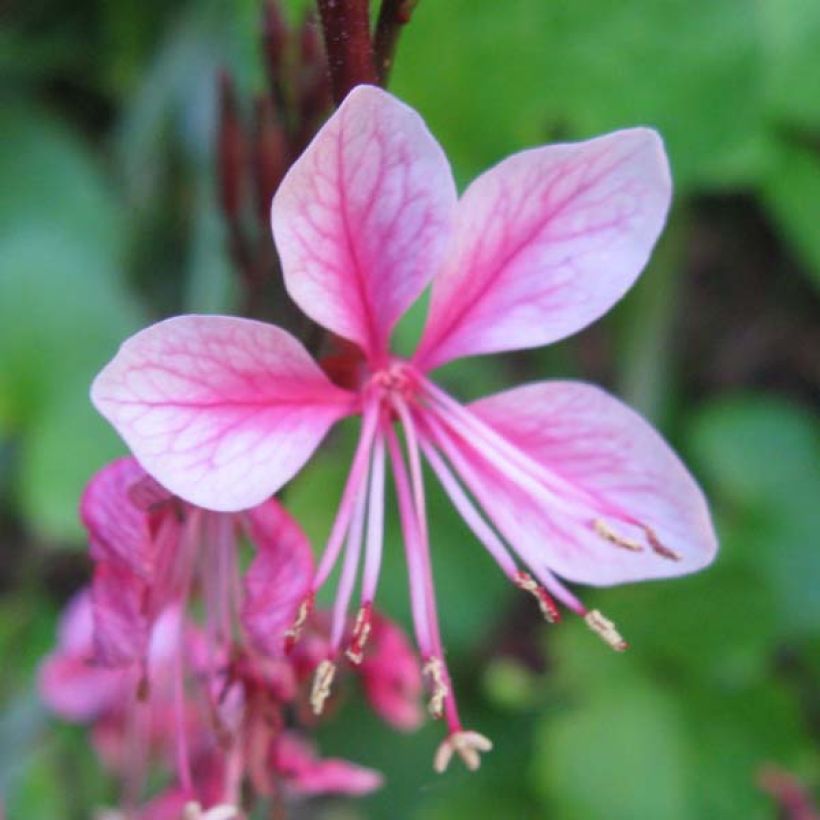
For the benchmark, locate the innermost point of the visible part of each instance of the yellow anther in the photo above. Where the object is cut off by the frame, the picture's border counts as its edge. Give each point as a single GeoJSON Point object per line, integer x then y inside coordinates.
{"type": "Point", "coordinates": [606, 629]}
{"type": "Point", "coordinates": [322, 681]}
{"type": "Point", "coordinates": [434, 669]}
{"type": "Point", "coordinates": [618, 540]}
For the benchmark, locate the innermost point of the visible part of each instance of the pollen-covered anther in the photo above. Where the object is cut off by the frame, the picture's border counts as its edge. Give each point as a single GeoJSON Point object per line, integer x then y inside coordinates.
{"type": "Point", "coordinates": [657, 547]}
{"type": "Point", "coordinates": [608, 534]}
{"type": "Point", "coordinates": [549, 609]}
{"type": "Point", "coordinates": [434, 669]}
{"type": "Point", "coordinates": [467, 745]}
{"type": "Point", "coordinates": [302, 614]}
{"type": "Point", "coordinates": [361, 632]}
{"type": "Point", "coordinates": [606, 629]}
{"type": "Point", "coordinates": [322, 681]}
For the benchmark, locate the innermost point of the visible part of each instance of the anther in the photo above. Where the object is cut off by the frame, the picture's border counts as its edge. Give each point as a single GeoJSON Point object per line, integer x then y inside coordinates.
{"type": "Point", "coordinates": [549, 609]}
{"type": "Point", "coordinates": [361, 632]}
{"type": "Point", "coordinates": [610, 535]}
{"type": "Point", "coordinates": [467, 745]}
{"type": "Point", "coordinates": [657, 547]}
{"type": "Point", "coordinates": [302, 614]}
{"type": "Point", "coordinates": [434, 669]}
{"type": "Point", "coordinates": [606, 629]}
{"type": "Point", "coordinates": [322, 681]}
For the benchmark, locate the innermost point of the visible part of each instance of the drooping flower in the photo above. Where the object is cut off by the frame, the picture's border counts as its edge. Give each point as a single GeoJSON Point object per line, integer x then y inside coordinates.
{"type": "Point", "coordinates": [555, 479]}
{"type": "Point", "coordinates": [213, 700]}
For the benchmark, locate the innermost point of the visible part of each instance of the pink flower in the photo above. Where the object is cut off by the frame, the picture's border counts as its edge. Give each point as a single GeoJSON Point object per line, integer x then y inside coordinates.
{"type": "Point", "coordinates": [556, 477]}
{"type": "Point", "coordinates": [210, 701]}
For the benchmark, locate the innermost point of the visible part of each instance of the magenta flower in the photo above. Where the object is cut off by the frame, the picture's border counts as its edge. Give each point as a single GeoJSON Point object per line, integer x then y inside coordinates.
{"type": "Point", "coordinates": [209, 701]}
{"type": "Point", "coordinates": [556, 479]}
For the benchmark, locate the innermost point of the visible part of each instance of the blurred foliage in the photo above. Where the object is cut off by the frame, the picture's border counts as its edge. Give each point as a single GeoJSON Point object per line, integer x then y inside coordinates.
{"type": "Point", "coordinates": [108, 219]}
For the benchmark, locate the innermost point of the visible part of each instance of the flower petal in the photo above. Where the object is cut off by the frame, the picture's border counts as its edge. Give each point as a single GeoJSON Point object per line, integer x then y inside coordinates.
{"type": "Point", "coordinates": [68, 682]}
{"type": "Point", "coordinates": [363, 218]}
{"type": "Point", "coordinates": [392, 676]}
{"type": "Point", "coordinates": [546, 242]}
{"type": "Point", "coordinates": [305, 773]}
{"type": "Point", "coordinates": [118, 530]}
{"type": "Point", "coordinates": [121, 626]}
{"type": "Point", "coordinates": [278, 578]}
{"type": "Point", "coordinates": [221, 411]}
{"type": "Point", "coordinates": [594, 442]}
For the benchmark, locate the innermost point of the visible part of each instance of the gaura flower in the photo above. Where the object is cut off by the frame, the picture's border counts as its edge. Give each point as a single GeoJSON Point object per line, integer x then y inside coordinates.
{"type": "Point", "coordinates": [215, 700]}
{"type": "Point", "coordinates": [555, 479]}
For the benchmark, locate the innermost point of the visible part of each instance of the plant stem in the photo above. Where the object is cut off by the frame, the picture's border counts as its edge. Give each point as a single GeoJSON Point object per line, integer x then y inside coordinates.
{"type": "Point", "coordinates": [346, 27]}
{"type": "Point", "coordinates": [393, 16]}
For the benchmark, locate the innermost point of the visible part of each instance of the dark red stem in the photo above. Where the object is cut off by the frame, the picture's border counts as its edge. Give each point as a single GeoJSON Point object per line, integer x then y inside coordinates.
{"type": "Point", "coordinates": [346, 27]}
{"type": "Point", "coordinates": [393, 16]}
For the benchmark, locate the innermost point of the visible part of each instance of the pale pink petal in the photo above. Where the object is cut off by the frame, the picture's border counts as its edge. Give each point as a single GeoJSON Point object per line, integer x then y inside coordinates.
{"type": "Point", "coordinates": [121, 626]}
{"type": "Point", "coordinates": [305, 773]}
{"type": "Point", "coordinates": [392, 676]}
{"type": "Point", "coordinates": [118, 530]}
{"type": "Point", "coordinates": [279, 576]}
{"type": "Point", "coordinates": [546, 242]}
{"type": "Point", "coordinates": [593, 442]}
{"type": "Point", "coordinates": [363, 218]}
{"type": "Point", "coordinates": [221, 411]}
{"type": "Point", "coordinates": [68, 681]}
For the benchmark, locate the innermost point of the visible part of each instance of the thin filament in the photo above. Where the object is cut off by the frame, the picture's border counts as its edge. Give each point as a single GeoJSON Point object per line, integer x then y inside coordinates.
{"type": "Point", "coordinates": [346, 507]}
{"type": "Point", "coordinates": [471, 516]}
{"type": "Point", "coordinates": [375, 523]}
{"type": "Point", "coordinates": [351, 564]}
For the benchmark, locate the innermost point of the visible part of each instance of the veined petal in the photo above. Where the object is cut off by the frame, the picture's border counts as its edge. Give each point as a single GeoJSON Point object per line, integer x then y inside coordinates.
{"type": "Point", "coordinates": [118, 529]}
{"type": "Point", "coordinates": [597, 444]}
{"type": "Point", "coordinates": [121, 627]}
{"type": "Point", "coordinates": [279, 576]}
{"type": "Point", "coordinates": [363, 218]}
{"type": "Point", "coordinates": [546, 242]}
{"type": "Point", "coordinates": [221, 411]}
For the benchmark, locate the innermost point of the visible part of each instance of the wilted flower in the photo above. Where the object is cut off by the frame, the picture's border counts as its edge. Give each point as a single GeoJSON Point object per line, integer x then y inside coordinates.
{"type": "Point", "coordinates": [559, 475]}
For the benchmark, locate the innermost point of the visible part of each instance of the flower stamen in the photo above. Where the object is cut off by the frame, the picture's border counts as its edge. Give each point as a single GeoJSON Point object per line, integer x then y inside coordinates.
{"type": "Point", "coordinates": [361, 632]}
{"type": "Point", "coordinates": [322, 681]}
{"type": "Point", "coordinates": [603, 627]}
{"type": "Point", "coordinates": [657, 547]}
{"type": "Point", "coordinates": [608, 534]}
{"type": "Point", "coordinates": [293, 634]}
{"type": "Point", "coordinates": [467, 745]}
{"type": "Point", "coordinates": [549, 609]}
{"type": "Point", "coordinates": [434, 669]}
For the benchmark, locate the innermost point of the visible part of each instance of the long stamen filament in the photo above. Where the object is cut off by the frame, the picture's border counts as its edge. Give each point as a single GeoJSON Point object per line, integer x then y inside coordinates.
{"type": "Point", "coordinates": [471, 516]}
{"type": "Point", "coordinates": [349, 495]}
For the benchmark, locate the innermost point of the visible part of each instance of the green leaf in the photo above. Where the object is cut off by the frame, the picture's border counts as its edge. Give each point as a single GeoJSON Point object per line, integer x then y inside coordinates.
{"type": "Point", "coordinates": [791, 192]}
{"type": "Point", "coordinates": [582, 68]}
{"type": "Point", "coordinates": [618, 749]}
{"type": "Point", "coordinates": [791, 31]}
{"type": "Point", "coordinates": [63, 311]}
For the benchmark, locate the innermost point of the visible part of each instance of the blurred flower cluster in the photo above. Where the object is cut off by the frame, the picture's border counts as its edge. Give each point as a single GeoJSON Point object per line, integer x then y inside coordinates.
{"type": "Point", "coordinates": [218, 702]}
